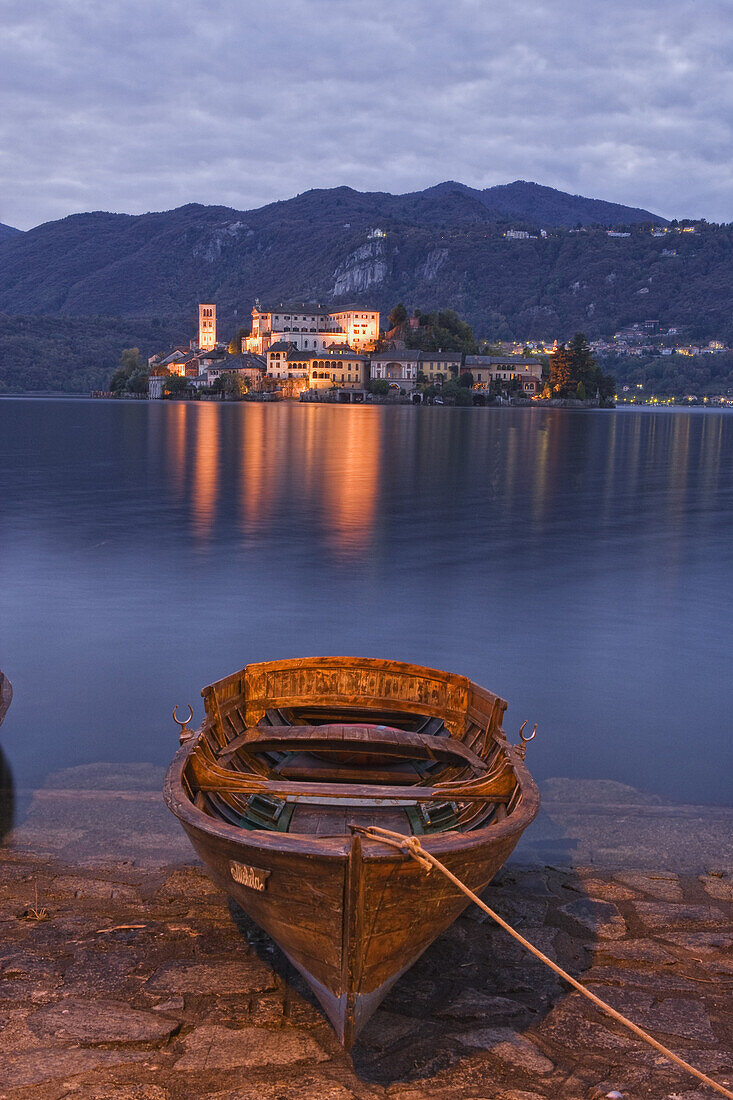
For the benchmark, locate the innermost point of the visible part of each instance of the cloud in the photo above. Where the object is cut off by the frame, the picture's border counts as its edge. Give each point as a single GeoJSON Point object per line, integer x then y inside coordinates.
{"type": "Point", "coordinates": [147, 105]}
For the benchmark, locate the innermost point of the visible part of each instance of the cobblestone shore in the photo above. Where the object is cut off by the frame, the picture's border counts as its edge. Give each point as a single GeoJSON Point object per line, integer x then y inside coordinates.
{"type": "Point", "coordinates": [124, 975]}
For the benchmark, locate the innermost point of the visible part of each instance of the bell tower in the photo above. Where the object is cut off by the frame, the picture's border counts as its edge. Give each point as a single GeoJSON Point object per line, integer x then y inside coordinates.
{"type": "Point", "coordinates": [207, 326]}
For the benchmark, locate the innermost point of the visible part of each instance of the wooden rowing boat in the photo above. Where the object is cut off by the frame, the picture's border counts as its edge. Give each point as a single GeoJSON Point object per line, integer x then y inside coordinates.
{"type": "Point", "coordinates": [292, 754]}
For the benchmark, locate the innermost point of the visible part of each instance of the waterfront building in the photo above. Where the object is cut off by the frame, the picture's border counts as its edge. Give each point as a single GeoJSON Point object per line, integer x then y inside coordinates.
{"type": "Point", "coordinates": [399, 367]}
{"type": "Point", "coordinates": [492, 368]}
{"type": "Point", "coordinates": [433, 364]}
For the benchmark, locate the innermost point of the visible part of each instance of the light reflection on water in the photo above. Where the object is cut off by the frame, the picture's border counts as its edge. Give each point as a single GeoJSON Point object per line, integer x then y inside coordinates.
{"type": "Point", "coordinates": [577, 563]}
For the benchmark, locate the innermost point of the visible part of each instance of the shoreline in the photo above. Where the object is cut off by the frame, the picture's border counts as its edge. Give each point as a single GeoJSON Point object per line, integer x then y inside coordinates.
{"type": "Point", "coordinates": [61, 395]}
{"type": "Point", "coordinates": [126, 975]}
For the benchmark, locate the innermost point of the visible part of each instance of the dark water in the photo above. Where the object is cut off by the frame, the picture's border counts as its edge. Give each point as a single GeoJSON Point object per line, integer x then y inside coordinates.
{"type": "Point", "coordinates": [579, 564]}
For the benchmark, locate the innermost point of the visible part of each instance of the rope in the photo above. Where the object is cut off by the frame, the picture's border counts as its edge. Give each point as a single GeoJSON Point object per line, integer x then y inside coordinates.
{"type": "Point", "coordinates": [412, 847]}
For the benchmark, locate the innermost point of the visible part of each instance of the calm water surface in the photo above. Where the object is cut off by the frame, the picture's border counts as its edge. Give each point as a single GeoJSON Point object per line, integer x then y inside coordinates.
{"type": "Point", "coordinates": [579, 564]}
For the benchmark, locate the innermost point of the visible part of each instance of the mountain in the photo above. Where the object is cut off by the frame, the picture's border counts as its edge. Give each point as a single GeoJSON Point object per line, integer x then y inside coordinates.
{"type": "Point", "coordinates": [7, 231]}
{"type": "Point", "coordinates": [441, 247]}
{"type": "Point", "coordinates": [547, 208]}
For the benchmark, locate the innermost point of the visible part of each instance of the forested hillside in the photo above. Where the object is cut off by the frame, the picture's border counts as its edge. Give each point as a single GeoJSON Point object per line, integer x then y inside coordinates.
{"type": "Point", "coordinates": [441, 248]}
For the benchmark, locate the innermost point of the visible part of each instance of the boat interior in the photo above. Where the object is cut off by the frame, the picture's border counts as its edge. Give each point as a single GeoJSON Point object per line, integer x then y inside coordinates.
{"type": "Point", "coordinates": [316, 769]}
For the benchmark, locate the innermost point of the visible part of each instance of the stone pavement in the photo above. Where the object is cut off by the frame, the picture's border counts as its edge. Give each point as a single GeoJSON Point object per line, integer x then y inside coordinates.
{"type": "Point", "coordinates": [124, 975]}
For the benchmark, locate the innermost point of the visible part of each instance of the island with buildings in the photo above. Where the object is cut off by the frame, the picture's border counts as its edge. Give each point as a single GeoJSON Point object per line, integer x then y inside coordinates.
{"type": "Point", "coordinates": [305, 351]}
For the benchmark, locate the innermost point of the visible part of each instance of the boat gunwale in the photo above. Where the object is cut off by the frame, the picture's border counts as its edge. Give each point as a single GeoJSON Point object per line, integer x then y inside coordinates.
{"type": "Point", "coordinates": [454, 840]}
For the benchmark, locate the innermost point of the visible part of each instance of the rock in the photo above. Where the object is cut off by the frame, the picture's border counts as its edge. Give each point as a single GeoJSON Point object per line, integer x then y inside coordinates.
{"type": "Point", "coordinates": [518, 1094]}
{"type": "Point", "coordinates": [37, 1066]}
{"type": "Point", "coordinates": [471, 1004]}
{"type": "Point", "coordinates": [606, 891]}
{"type": "Point", "coordinates": [215, 975]}
{"type": "Point", "coordinates": [385, 1029]}
{"type": "Point", "coordinates": [705, 945]}
{"type": "Point", "coordinates": [97, 1021]}
{"type": "Point", "coordinates": [212, 1047]}
{"type": "Point", "coordinates": [718, 886]}
{"type": "Point", "coordinates": [188, 882]}
{"type": "Point", "coordinates": [659, 884]}
{"type": "Point", "coordinates": [310, 1089]}
{"type": "Point", "coordinates": [673, 1016]}
{"type": "Point", "coordinates": [659, 916]}
{"type": "Point", "coordinates": [173, 1004]}
{"type": "Point", "coordinates": [633, 951]}
{"type": "Point", "coordinates": [117, 1092]}
{"type": "Point", "coordinates": [508, 1047]}
{"type": "Point", "coordinates": [71, 886]}
{"type": "Point", "coordinates": [601, 918]}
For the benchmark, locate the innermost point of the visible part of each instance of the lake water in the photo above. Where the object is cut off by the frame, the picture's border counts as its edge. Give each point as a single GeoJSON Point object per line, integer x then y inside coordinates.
{"type": "Point", "coordinates": [577, 563]}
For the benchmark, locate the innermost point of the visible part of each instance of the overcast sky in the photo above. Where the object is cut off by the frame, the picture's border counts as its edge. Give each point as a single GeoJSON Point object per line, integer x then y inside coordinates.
{"type": "Point", "coordinates": [135, 105]}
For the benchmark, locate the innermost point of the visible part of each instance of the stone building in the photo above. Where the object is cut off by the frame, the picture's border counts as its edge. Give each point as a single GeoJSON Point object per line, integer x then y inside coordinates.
{"type": "Point", "coordinates": [489, 368]}
{"type": "Point", "coordinates": [311, 327]}
{"type": "Point", "coordinates": [399, 367]}
{"type": "Point", "coordinates": [207, 326]}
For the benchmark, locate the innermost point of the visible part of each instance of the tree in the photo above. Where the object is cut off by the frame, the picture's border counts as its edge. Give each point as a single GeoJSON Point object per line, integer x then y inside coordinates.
{"type": "Point", "coordinates": [131, 363]}
{"type": "Point", "coordinates": [397, 316]}
{"type": "Point", "coordinates": [561, 371]}
{"type": "Point", "coordinates": [175, 385]}
{"type": "Point", "coordinates": [581, 358]}
{"type": "Point", "coordinates": [580, 391]}
{"type": "Point", "coordinates": [466, 380]}
{"type": "Point", "coordinates": [232, 384]}
{"type": "Point", "coordinates": [379, 386]}
{"type": "Point", "coordinates": [235, 344]}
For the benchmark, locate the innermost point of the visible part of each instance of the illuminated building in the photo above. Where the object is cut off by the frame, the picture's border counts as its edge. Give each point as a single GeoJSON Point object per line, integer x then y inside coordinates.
{"type": "Point", "coordinates": [207, 326]}
{"type": "Point", "coordinates": [311, 327]}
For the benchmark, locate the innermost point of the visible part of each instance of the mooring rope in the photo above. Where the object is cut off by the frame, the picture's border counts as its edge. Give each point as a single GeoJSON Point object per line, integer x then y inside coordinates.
{"type": "Point", "coordinates": [412, 847]}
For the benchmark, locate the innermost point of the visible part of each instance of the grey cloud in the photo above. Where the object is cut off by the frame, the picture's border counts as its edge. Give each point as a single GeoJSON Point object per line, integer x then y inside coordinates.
{"type": "Point", "coordinates": [146, 105]}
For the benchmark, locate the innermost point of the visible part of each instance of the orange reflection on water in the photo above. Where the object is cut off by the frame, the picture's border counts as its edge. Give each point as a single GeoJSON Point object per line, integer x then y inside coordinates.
{"type": "Point", "coordinates": [352, 439]}
{"type": "Point", "coordinates": [176, 444]}
{"type": "Point", "coordinates": [205, 468]}
{"type": "Point", "coordinates": [257, 470]}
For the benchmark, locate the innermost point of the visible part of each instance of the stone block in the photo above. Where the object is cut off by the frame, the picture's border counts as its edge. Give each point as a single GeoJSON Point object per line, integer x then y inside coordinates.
{"type": "Point", "coordinates": [214, 975]}
{"type": "Point", "coordinates": [509, 1048]}
{"type": "Point", "coordinates": [658, 884]}
{"type": "Point", "coordinates": [601, 918]}
{"type": "Point", "coordinates": [100, 1022]}
{"type": "Point", "coordinates": [213, 1048]}
{"type": "Point", "coordinates": [662, 917]}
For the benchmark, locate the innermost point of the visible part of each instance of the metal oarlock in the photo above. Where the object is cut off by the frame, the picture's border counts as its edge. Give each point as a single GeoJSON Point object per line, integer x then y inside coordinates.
{"type": "Point", "coordinates": [185, 731]}
{"type": "Point", "coordinates": [522, 749]}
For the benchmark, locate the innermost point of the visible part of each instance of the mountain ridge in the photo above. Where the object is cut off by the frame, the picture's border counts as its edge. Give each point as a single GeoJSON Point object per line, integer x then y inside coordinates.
{"type": "Point", "coordinates": [445, 247]}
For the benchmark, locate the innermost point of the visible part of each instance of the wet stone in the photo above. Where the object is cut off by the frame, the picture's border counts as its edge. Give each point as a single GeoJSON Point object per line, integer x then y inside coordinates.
{"type": "Point", "coordinates": [219, 975]}
{"type": "Point", "coordinates": [509, 1048]}
{"type": "Point", "coordinates": [663, 917]}
{"type": "Point", "coordinates": [98, 1021]}
{"type": "Point", "coordinates": [212, 1047]}
{"type": "Point", "coordinates": [600, 918]}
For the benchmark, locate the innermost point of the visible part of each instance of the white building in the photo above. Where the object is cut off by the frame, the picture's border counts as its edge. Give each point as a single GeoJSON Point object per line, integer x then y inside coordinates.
{"type": "Point", "coordinates": [311, 327]}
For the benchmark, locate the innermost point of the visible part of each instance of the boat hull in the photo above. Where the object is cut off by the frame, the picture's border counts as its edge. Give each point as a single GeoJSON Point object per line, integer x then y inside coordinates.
{"type": "Point", "coordinates": [353, 920]}
{"type": "Point", "coordinates": [350, 913]}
